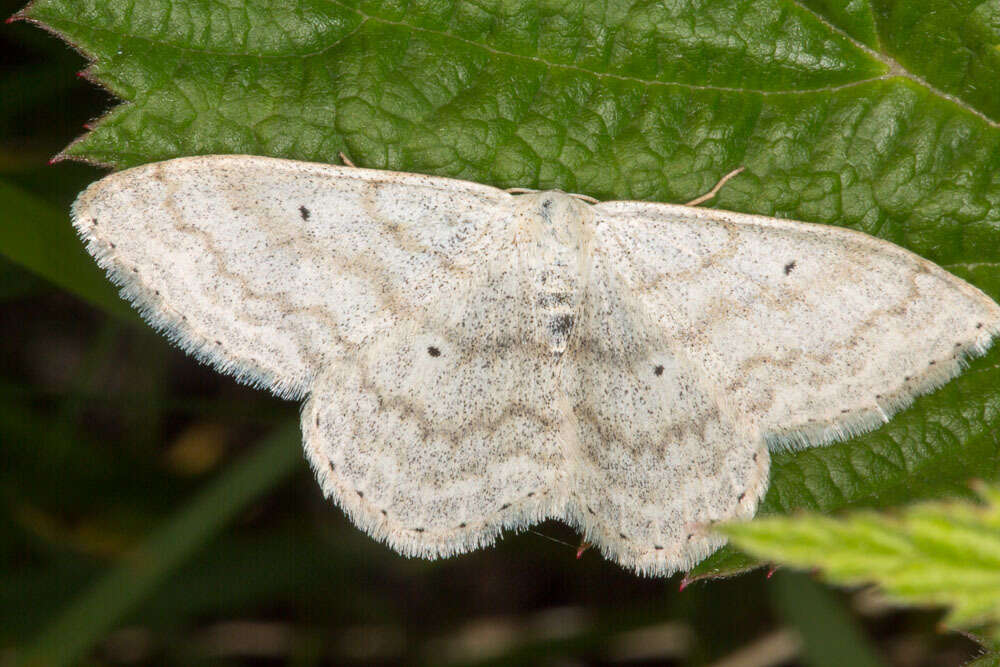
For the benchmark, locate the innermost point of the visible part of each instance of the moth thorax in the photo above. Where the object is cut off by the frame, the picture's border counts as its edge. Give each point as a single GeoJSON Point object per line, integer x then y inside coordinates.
{"type": "Point", "coordinates": [557, 231]}
{"type": "Point", "coordinates": [559, 224]}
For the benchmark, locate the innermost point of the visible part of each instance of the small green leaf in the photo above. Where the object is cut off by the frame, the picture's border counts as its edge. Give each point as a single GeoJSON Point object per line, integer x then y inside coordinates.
{"type": "Point", "coordinates": [937, 553]}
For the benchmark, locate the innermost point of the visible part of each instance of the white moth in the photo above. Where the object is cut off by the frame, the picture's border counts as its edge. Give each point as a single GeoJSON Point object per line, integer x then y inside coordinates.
{"type": "Point", "coordinates": [473, 360]}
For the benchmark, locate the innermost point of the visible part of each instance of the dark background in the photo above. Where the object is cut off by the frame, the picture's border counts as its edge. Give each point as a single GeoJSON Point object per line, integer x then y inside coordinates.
{"type": "Point", "coordinates": [122, 459]}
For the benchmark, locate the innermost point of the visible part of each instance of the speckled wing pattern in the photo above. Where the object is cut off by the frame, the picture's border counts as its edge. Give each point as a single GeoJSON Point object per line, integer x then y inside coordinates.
{"type": "Point", "coordinates": [811, 333]}
{"type": "Point", "coordinates": [473, 361]}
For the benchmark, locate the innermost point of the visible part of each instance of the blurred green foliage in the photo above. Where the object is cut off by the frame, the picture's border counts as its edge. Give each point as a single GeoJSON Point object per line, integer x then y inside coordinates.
{"type": "Point", "coordinates": [158, 511]}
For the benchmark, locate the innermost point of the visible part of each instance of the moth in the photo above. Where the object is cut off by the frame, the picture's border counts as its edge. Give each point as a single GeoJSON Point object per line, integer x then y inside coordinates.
{"type": "Point", "coordinates": [473, 360]}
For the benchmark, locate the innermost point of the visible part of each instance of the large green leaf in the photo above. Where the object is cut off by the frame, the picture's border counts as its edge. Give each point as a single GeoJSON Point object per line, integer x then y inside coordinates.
{"type": "Point", "coordinates": [873, 115]}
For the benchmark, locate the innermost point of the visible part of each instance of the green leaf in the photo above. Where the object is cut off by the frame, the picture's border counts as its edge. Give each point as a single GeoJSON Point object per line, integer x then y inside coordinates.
{"type": "Point", "coordinates": [855, 114]}
{"type": "Point", "coordinates": [935, 553]}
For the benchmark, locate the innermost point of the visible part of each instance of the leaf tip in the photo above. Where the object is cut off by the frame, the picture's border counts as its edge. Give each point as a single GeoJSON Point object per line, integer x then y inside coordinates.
{"type": "Point", "coordinates": [24, 14]}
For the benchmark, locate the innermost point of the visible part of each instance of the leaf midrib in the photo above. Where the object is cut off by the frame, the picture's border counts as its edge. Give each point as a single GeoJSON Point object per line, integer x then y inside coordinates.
{"type": "Point", "coordinates": [893, 68]}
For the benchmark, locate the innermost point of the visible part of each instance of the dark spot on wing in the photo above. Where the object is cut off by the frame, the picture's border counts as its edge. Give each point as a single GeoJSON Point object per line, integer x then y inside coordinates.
{"type": "Point", "coordinates": [331, 466]}
{"type": "Point", "coordinates": [622, 535]}
{"type": "Point", "coordinates": [906, 379]}
{"type": "Point", "coordinates": [590, 510]}
{"type": "Point", "coordinates": [304, 212]}
{"type": "Point", "coordinates": [384, 513]}
{"type": "Point", "coordinates": [658, 371]}
{"type": "Point", "coordinates": [978, 326]}
{"type": "Point", "coordinates": [360, 495]}
{"type": "Point", "coordinates": [462, 525]}
{"type": "Point", "coordinates": [419, 530]}
{"type": "Point", "coordinates": [789, 267]}
{"type": "Point", "coordinates": [931, 362]}
{"type": "Point", "coordinates": [93, 221]}
{"type": "Point", "coordinates": [505, 506]}
{"type": "Point", "coordinates": [218, 342]}
{"type": "Point", "coordinates": [433, 351]}
{"type": "Point", "coordinates": [658, 547]}
{"type": "Point", "coordinates": [741, 497]}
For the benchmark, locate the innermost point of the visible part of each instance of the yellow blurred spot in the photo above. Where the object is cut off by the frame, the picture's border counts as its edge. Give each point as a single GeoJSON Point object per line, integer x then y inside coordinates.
{"type": "Point", "coordinates": [91, 536]}
{"type": "Point", "coordinates": [198, 449]}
